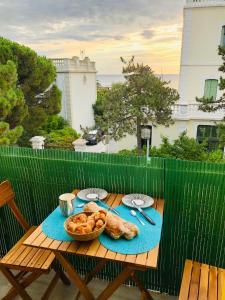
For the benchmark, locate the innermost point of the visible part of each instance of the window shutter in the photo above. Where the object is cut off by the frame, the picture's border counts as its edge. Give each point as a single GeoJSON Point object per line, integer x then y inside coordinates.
{"type": "Point", "coordinates": [210, 90]}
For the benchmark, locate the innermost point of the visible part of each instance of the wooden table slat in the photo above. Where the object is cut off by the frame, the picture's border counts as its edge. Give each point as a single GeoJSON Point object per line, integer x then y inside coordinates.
{"type": "Point", "coordinates": [131, 258]}
{"type": "Point", "coordinates": [120, 257]}
{"type": "Point", "coordinates": [83, 248]}
{"type": "Point", "coordinates": [55, 245]}
{"type": "Point", "coordinates": [73, 247]}
{"type": "Point", "coordinates": [34, 235]}
{"type": "Point", "coordinates": [93, 248]}
{"type": "Point", "coordinates": [39, 239]}
{"type": "Point", "coordinates": [110, 255]}
{"type": "Point", "coordinates": [46, 243]}
{"type": "Point", "coordinates": [141, 259]}
{"type": "Point", "coordinates": [64, 246]}
{"type": "Point", "coordinates": [160, 206]}
{"type": "Point", "coordinates": [152, 258]}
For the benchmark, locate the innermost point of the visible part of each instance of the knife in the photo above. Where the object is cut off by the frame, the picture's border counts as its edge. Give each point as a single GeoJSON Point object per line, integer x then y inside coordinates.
{"type": "Point", "coordinates": [143, 213]}
{"type": "Point", "coordinates": [109, 207]}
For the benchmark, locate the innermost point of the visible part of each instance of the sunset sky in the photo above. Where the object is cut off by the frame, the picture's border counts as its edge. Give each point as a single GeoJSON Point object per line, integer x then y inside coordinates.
{"type": "Point", "coordinates": [151, 30]}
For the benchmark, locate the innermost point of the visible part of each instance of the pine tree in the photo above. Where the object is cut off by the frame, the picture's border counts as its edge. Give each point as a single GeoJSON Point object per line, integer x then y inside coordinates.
{"type": "Point", "coordinates": [12, 105]}
{"type": "Point", "coordinates": [36, 77]}
{"type": "Point", "coordinates": [143, 98]}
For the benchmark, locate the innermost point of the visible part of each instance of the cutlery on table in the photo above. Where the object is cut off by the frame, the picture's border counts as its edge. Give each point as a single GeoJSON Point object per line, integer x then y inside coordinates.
{"type": "Point", "coordinates": [143, 212]}
{"type": "Point", "coordinates": [134, 214]}
{"type": "Point", "coordinates": [109, 207]}
{"type": "Point", "coordinates": [80, 205]}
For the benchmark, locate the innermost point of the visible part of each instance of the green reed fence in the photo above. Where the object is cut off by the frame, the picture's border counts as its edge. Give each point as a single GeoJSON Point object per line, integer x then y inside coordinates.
{"type": "Point", "coordinates": [194, 216]}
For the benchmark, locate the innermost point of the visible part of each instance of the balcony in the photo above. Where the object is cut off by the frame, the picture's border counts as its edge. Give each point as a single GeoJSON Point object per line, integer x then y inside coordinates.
{"type": "Point", "coordinates": [204, 3]}
{"type": "Point", "coordinates": [191, 112]}
{"type": "Point", "coordinates": [74, 65]}
{"type": "Point", "coordinates": [193, 222]}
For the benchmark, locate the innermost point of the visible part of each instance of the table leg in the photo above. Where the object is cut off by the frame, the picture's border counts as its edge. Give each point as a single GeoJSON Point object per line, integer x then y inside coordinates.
{"type": "Point", "coordinates": [145, 295]}
{"type": "Point", "coordinates": [100, 265]}
{"type": "Point", "coordinates": [61, 274]}
{"type": "Point", "coordinates": [74, 276]}
{"type": "Point", "coordinates": [108, 291]}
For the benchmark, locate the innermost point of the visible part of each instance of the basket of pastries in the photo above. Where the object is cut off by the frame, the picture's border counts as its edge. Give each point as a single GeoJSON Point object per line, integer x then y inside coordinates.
{"type": "Point", "coordinates": [86, 226]}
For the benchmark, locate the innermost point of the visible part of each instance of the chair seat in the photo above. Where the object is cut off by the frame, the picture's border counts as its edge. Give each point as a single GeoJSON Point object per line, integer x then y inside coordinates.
{"type": "Point", "coordinates": [26, 258]}
{"type": "Point", "coordinates": [201, 281]}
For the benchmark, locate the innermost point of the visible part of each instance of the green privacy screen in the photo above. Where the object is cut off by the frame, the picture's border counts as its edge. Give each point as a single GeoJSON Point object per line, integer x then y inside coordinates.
{"type": "Point", "coordinates": [194, 215]}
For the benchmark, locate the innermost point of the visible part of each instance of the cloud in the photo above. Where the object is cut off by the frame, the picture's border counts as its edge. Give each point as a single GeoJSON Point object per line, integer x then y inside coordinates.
{"type": "Point", "coordinates": [28, 20]}
{"type": "Point", "coordinates": [105, 28]}
{"type": "Point", "coordinates": [148, 34]}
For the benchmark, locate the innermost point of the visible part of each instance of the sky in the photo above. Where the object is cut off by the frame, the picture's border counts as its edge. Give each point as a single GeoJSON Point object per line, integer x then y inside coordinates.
{"type": "Point", "coordinates": [105, 30]}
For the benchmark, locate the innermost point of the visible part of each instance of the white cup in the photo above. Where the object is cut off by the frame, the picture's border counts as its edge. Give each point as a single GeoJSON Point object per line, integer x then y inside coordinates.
{"type": "Point", "coordinates": [66, 204]}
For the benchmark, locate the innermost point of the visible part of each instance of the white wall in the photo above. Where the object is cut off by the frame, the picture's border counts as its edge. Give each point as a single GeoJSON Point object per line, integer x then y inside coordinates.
{"type": "Point", "coordinates": [200, 59]}
{"type": "Point", "coordinates": [82, 97]}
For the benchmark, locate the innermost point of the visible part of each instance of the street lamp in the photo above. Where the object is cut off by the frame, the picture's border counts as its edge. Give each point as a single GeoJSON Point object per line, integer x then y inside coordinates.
{"type": "Point", "coordinates": [146, 135]}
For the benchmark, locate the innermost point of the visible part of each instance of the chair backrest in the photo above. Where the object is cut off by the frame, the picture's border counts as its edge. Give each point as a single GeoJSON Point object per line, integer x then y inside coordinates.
{"type": "Point", "coordinates": [7, 197]}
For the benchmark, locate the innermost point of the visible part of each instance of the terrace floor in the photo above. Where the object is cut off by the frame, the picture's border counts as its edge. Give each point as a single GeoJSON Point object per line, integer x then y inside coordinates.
{"type": "Point", "coordinates": [67, 293]}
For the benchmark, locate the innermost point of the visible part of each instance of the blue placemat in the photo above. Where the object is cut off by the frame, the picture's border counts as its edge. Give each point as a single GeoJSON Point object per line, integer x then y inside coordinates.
{"type": "Point", "coordinates": [147, 239]}
{"type": "Point", "coordinates": [53, 225]}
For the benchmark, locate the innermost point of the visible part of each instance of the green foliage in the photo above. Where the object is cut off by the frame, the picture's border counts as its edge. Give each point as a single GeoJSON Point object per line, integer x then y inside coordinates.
{"type": "Point", "coordinates": [12, 105]}
{"type": "Point", "coordinates": [143, 98]}
{"type": "Point", "coordinates": [36, 75]}
{"type": "Point", "coordinates": [54, 123]}
{"type": "Point", "coordinates": [98, 107]}
{"type": "Point", "coordinates": [58, 133]}
{"type": "Point", "coordinates": [184, 148]}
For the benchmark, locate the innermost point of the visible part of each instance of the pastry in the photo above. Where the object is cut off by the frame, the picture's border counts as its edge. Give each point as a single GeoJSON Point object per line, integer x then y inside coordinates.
{"type": "Point", "coordinates": [116, 227]}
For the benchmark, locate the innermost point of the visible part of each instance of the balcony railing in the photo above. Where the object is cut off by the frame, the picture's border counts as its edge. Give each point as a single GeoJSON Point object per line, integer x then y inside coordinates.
{"type": "Point", "coordinates": [205, 3]}
{"type": "Point", "coordinates": [191, 112]}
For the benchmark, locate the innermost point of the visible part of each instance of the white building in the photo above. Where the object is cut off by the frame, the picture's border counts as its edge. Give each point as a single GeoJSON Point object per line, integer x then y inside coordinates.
{"type": "Point", "coordinates": [203, 32]}
{"type": "Point", "coordinates": [77, 80]}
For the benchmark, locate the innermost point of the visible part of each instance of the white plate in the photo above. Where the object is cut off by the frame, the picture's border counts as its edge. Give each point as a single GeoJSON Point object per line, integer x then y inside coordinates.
{"type": "Point", "coordinates": [92, 194]}
{"type": "Point", "coordinates": [141, 200]}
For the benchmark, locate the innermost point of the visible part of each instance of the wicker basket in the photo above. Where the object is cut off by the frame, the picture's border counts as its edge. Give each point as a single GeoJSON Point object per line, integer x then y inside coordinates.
{"type": "Point", "coordinates": [83, 237]}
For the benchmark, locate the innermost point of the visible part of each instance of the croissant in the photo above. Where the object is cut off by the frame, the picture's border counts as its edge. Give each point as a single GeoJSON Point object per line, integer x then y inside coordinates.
{"type": "Point", "coordinates": [115, 226]}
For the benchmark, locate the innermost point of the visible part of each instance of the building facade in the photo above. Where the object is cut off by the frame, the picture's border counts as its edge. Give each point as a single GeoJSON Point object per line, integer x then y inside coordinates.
{"type": "Point", "coordinates": [203, 32]}
{"type": "Point", "coordinates": [76, 79]}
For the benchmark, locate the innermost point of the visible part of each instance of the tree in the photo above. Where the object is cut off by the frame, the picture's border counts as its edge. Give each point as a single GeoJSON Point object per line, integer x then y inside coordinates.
{"type": "Point", "coordinates": [143, 98]}
{"type": "Point", "coordinates": [12, 105]}
{"type": "Point", "coordinates": [36, 76]}
{"type": "Point", "coordinates": [211, 105]}
{"type": "Point", "coordinates": [58, 133]}
{"type": "Point", "coordinates": [98, 107]}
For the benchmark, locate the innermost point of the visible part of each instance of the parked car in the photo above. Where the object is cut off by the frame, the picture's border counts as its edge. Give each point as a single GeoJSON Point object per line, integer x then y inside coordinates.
{"type": "Point", "coordinates": [93, 137]}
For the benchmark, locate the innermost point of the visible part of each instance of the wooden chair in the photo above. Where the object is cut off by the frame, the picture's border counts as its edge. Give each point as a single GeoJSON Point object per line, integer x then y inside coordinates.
{"type": "Point", "coordinates": [29, 262]}
{"type": "Point", "coordinates": [202, 282]}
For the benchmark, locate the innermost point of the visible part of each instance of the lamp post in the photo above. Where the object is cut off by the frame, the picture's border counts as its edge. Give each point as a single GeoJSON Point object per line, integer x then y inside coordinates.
{"type": "Point", "coordinates": [146, 135]}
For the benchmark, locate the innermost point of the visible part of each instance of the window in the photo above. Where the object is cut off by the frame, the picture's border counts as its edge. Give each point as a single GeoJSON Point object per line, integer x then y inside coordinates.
{"type": "Point", "coordinates": [210, 90]}
{"type": "Point", "coordinates": [222, 44]}
{"type": "Point", "coordinates": [208, 133]}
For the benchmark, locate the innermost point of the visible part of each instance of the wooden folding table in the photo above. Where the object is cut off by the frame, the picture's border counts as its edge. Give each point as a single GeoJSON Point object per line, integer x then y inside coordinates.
{"type": "Point", "coordinates": [131, 263]}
